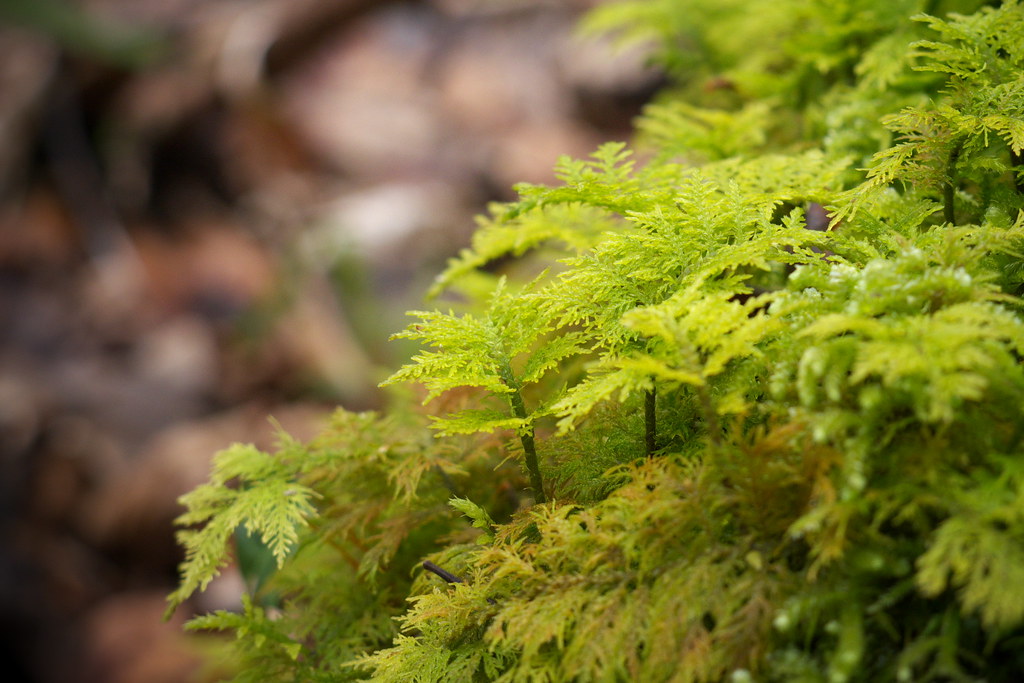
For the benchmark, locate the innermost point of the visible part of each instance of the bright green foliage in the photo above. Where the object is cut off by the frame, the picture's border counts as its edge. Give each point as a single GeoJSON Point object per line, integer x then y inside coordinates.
{"type": "Point", "coordinates": [770, 404]}
{"type": "Point", "coordinates": [278, 653]}
{"type": "Point", "coordinates": [480, 518]}
{"type": "Point", "coordinates": [977, 134]}
{"type": "Point", "coordinates": [486, 352]}
{"type": "Point", "coordinates": [366, 494]}
{"type": "Point", "coordinates": [678, 130]}
{"type": "Point", "coordinates": [267, 501]}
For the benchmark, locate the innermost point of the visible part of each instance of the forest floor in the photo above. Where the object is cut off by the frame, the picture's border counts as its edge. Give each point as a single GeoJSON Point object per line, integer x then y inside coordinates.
{"type": "Point", "coordinates": [216, 212]}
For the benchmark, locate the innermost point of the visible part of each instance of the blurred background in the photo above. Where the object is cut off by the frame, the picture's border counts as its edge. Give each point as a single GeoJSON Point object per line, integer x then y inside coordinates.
{"type": "Point", "coordinates": [215, 211]}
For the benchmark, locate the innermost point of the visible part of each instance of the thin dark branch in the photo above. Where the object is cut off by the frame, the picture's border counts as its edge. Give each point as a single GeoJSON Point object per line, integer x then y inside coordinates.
{"type": "Point", "coordinates": [446, 575]}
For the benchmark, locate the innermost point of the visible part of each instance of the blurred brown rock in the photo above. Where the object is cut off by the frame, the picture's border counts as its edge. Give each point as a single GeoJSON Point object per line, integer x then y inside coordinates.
{"type": "Point", "coordinates": [126, 640]}
{"type": "Point", "coordinates": [209, 264]}
{"type": "Point", "coordinates": [609, 83]}
{"type": "Point", "coordinates": [528, 152]}
{"type": "Point", "coordinates": [360, 102]}
{"type": "Point", "coordinates": [386, 219]}
{"type": "Point", "coordinates": [503, 72]}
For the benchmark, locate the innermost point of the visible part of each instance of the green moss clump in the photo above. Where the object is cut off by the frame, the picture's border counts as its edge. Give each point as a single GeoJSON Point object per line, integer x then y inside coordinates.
{"type": "Point", "coordinates": [759, 417]}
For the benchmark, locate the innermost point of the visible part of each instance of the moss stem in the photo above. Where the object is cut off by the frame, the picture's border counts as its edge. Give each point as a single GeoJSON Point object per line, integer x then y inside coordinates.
{"type": "Point", "coordinates": [949, 189]}
{"type": "Point", "coordinates": [529, 447]}
{"type": "Point", "coordinates": [710, 415]}
{"type": "Point", "coordinates": [1017, 166]}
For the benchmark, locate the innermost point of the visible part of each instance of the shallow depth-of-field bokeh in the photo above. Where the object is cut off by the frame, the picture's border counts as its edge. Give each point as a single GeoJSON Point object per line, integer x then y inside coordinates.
{"type": "Point", "coordinates": [215, 211]}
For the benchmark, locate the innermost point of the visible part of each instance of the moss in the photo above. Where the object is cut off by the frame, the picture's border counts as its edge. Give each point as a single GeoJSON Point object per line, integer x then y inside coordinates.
{"type": "Point", "coordinates": [828, 485]}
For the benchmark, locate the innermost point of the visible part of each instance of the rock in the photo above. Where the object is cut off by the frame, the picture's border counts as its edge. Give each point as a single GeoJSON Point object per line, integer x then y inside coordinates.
{"type": "Point", "coordinates": [360, 102]}
{"type": "Point", "coordinates": [181, 354]}
{"type": "Point", "coordinates": [213, 268]}
{"type": "Point", "coordinates": [379, 222]}
{"type": "Point", "coordinates": [502, 73]}
{"type": "Point", "coordinates": [528, 153]}
{"type": "Point", "coordinates": [610, 84]}
{"type": "Point", "coordinates": [126, 641]}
